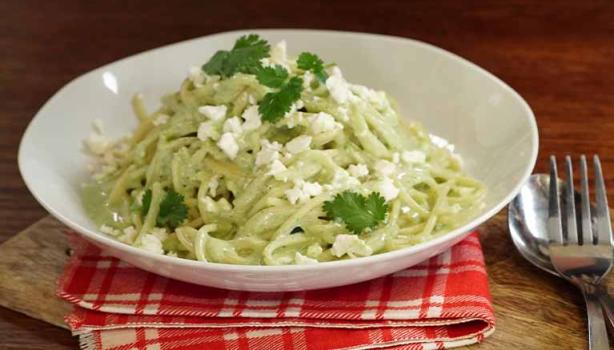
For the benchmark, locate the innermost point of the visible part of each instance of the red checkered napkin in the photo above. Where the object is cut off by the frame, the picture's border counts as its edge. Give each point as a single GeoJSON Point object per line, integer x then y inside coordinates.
{"type": "Point", "coordinates": [441, 303]}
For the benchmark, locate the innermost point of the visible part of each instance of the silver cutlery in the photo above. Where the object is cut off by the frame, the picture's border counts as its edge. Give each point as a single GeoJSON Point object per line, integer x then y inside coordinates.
{"type": "Point", "coordinates": [527, 222]}
{"type": "Point", "coordinates": [580, 254]}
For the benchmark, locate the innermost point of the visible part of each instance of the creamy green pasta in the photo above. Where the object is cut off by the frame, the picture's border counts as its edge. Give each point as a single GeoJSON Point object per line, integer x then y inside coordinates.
{"type": "Point", "coordinates": [215, 175]}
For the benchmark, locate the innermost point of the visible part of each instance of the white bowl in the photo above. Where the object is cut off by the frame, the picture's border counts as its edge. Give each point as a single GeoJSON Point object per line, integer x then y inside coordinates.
{"type": "Point", "coordinates": [491, 126]}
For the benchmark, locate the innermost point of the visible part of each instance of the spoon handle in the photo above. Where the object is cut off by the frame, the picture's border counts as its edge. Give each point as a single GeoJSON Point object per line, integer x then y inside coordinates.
{"type": "Point", "coordinates": [607, 304]}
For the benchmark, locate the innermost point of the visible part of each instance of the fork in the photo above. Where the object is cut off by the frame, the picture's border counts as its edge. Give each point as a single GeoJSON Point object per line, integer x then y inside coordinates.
{"type": "Point", "coordinates": [582, 253]}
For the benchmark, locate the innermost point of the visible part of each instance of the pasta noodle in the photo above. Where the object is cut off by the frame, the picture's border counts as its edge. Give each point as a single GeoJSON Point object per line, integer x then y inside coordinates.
{"type": "Point", "coordinates": [263, 204]}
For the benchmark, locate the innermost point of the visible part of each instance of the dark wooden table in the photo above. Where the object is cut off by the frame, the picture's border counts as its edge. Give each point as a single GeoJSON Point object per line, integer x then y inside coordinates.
{"type": "Point", "coordinates": [559, 56]}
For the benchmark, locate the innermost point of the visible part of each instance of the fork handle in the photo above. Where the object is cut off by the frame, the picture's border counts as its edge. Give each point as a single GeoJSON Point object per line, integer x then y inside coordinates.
{"type": "Point", "coordinates": [597, 331]}
{"type": "Point", "coordinates": [607, 304]}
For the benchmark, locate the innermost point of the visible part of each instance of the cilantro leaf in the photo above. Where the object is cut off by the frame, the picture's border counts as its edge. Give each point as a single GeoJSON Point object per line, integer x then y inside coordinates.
{"type": "Point", "coordinates": [275, 105]}
{"type": "Point", "coordinates": [357, 211]}
{"type": "Point", "coordinates": [146, 200]}
{"type": "Point", "coordinates": [273, 77]}
{"type": "Point", "coordinates": [172, 210]}
{"type": "Point", "coordinates": [244, 57]}
{"type": "Point", "coordinates": [310, 61]}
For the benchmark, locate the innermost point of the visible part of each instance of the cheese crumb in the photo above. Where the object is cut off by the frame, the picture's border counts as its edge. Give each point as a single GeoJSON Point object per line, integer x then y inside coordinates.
{"type": "Point", "coordinates": [301, 259]}
{"type": "Point", "coordinates": [196, 76]}
{"type": "Point", "coordinates": [298, 144]}
{"type": "Point", "coordinates": [151, 243]}
{"type": "Point", "coordinates": [358, 170]}
{"type": "Point", "coordinates": [302, 191]}
{"type": "Point", "coordinates": [213, 112]}
{"type": "Point", "coordinates": [228, 145]}
{"type": "Point", "coordinates": [161, 119]}
{"type": "Point", "coordinates": [97, 143]}
{"type": "Point", "coordinates": [405, 209]}
{"type": "Point", "coordinates": [350, 245]}
{"type": "Point", "coordinates": [233, 125]}
{"type": "Point", "coordinates": [269, 152]}
{"type": "Point", "coordinates": [387, 189]}
{"type": "Point", "coordinates": [252, 118]}
{"type": "Point", "coordinates": [207, 130]}
{"type": "Point", "coordinates": [279, 54]}
{"type": "Point", "coordinates": [337, 86]}
{"type": "Point", "coordinates": [413, 157]}
{"type": "Point", "coordinates": [277, 168]}
{"type": "Point", "coordinates": [323, 122]}
{"type": "Point", "coordinates": [385, 167]}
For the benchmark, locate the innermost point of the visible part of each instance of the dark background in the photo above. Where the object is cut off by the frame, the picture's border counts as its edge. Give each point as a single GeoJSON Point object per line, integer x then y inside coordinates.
{"type": "Point", "coordinates": [559, 55]}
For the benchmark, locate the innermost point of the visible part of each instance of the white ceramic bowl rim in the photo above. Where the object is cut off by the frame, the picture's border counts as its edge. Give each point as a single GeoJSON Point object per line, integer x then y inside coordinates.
{"type": "Point", "coordinates": [106, 240]}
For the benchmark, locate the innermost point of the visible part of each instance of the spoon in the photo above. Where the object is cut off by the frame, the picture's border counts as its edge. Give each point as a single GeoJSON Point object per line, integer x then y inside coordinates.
{"type": "Point", "coordinates": [527, 221]}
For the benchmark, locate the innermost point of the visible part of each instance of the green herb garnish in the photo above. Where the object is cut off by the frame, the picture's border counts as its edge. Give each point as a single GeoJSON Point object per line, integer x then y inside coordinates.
{"type": "Point", "coordinates": [275, 105]}
{"type": "Point", "coordinates": [357, 211]}
{"type": "Point", "coordinates": [273, 77]}
{"type": "Point", "coordinates": [313, 63]}
{"type": "Point", "coordinates": [244, 57]}
{"type": "Point", "coordinates": [172, 209]}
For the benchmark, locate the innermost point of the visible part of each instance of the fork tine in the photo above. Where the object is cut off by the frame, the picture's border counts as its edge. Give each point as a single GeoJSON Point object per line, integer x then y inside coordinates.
{"type": "Point", "coordinates": [555, 231]}
{"type": "Point", "coordinates": [602, 216]}
{"type": "Point", "coordinates": [585, 204]}
{"type": "Point", "coordinates": [570, 208]}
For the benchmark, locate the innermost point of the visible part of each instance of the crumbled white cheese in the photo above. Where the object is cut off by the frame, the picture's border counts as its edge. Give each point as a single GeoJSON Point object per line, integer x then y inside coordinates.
{"type": "Point", "coordinates": [323, 122]}
{"type": "Point", "coordinates": [342, 180]}
{"type": "Point", "coordinates": [196, 76]}
{"type": "Point", "coordinates": [233, 125]}
{"type": "Point", "coordinates": [276, 169]}
{"type": "Point", "coordinates": [128, 236]}
{"type": "Point", "coordinates": [441, 142]}
{"type": "Point", "coordinates": [151, 244]}
{"type": "Point", "coordinates": [252, 118]}
{"type": "Point", "coordinates": [413, 156]}
{"type": "Point", "coordinates": [302, 191]}
{"type": "Point", "coordinates": [97, 143]}
{"type": "Point", "coordinates": [376, 98]}
{"type": "Point", "coordinates": [343, 113]}
{"type": "Point", "coordinates": [159, 232]}
{"type": "Point", "coordinates": [405, 209]}
{"type": "Point", "coordinates": [350, 245]}
{"type": "Point", "coordinates": [228, 145]}
{"type": "Point", "coordinates": [358, 170]}
{"type": "Point", "coordinates": [385, 167]}
{"type": "Point", "coordinates": [337, 86]}
{"type": "Point", "coordinates": [161, 119]}
{"type": "Point", "coordinates": [300, 259]}
{"type": "Point", "coordinates": [269, 152]}
{"type": "Point", "coordinates": [173, 254]}
{"type": "Point", "coordinates": [307, 79]}
{"type": "Point", "coordinates": [298, 144]}
{"type": "Point", "coordinates": [108, 230]}
{"type": "Point", "coordinates": [279, 54]}
{"type": "Point", "coordinates": [213, 112]}
{"type": "Point", "coordinates": [387, 189]}
{"type": "Point", "coordinates": [294, 119]}
{"type": "Point", "coordinates": [207, 130]}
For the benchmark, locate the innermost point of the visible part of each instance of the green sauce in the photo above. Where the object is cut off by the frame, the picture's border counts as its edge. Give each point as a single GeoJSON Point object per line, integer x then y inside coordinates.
{"type": "Point", "coordinates": [94, 197]}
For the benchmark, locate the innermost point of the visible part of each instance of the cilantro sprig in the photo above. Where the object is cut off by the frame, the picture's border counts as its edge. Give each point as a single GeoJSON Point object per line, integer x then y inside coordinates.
{"type": "Point", "coordinates": [244, 57]}
{"type": "Point", "coordinates": [172, 209]}
{"type": "Point", "coordinates": [273, 77]}
{"type": "Point", "coordinates": [357, 211]}
{"type": "Point", "coordinates": [275, 105]}
{"type": "Point", "coordinates": [309, 61]}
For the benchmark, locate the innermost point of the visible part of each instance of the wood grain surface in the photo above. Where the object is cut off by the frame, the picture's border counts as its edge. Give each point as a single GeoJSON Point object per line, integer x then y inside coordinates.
{"type": "Point", "coordinates": [534, 310]}
{"type": "Point", "coordinates": [557, 55]}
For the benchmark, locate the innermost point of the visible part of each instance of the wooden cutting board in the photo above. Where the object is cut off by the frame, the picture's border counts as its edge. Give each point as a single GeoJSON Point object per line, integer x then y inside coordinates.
{"type": "Point", "coordinates": [534, 310]}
